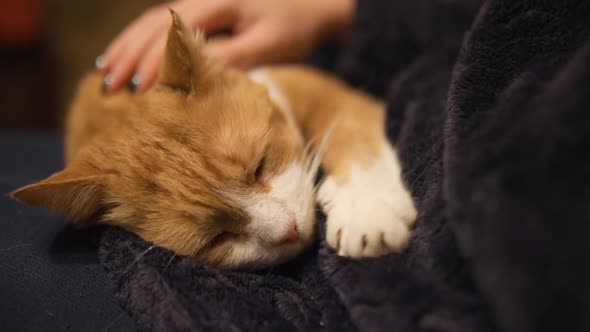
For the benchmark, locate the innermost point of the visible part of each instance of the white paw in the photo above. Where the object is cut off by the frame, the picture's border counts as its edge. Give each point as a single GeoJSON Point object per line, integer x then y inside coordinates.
{"type": "Point", "coordinates": [372, 213]}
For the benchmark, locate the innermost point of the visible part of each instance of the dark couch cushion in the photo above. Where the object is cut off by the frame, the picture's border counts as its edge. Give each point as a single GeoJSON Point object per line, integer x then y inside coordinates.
{"type": "Point", "coordinates": [50, 277]}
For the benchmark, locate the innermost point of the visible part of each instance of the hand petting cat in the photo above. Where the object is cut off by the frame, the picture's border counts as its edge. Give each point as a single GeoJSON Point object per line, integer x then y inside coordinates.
{"type": "Point", "coordinates": [264, 31]}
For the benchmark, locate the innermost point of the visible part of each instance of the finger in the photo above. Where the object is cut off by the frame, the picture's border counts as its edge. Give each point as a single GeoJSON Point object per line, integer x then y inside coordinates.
{"type": "Point", "coordinates": [212, 16]}
{"type": "Point", "coordinates": [149, 66]}
{"type": "Point", "coordinates": [124, 66]}
{"type": "Point", "coordinates": [246, 50]}
{"type": "Point", "coordinates": [117, 46]}
{"type": "Point", "coordinates": [146, 25]}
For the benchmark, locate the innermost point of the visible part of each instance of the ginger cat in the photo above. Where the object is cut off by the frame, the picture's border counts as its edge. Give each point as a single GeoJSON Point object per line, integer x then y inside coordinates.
{"type": "Point", "coordinates": [212, 162]}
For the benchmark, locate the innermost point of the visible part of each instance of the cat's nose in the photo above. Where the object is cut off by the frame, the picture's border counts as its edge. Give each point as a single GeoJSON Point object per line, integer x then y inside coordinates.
{"type": "Point", "coordinates": [292, 234]}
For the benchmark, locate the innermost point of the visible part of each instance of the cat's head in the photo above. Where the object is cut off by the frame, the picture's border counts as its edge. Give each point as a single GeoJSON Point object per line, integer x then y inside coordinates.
{"type": "Point", "coordinates": [211, 168]}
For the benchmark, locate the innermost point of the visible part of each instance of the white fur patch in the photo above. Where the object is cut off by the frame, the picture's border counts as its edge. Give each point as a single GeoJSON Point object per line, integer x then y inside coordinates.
{"type": "Point", "coordinates": [290, 199]}
{"type": "Point", "coordinates": [372, 212]}
{"type": "Point", "coordinates": [261, 76]}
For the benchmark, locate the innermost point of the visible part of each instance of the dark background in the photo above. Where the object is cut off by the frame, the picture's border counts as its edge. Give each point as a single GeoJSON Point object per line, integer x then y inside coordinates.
{"type": "Point", "coordinates": [45, 47]}
{"type": "Point", "coordinates": [50, 277]}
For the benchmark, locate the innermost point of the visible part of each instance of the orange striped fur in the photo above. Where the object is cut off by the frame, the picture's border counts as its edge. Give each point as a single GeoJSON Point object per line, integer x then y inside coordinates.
{"type": "Point", "coordinates": [212, 162]}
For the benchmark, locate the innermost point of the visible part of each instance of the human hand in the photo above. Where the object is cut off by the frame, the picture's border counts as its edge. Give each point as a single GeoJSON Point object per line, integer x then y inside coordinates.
{"type": "Point", "coordinates": [263, 31]}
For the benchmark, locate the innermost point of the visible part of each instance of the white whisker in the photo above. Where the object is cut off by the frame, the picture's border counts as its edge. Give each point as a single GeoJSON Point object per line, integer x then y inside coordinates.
{"type": "Point", "coordinates": [137, 258]}
{"type": "Point", "coordinates": [315, 158]}
{"type": "Point", "coordinates": [169, 262]}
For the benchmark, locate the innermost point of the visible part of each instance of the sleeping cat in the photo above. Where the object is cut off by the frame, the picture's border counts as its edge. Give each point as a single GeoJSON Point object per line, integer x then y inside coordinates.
{"type": "Point", "coordinates": [213, 163]}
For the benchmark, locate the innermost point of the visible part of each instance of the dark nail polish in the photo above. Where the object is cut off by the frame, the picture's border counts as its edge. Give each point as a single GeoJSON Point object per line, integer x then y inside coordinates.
{"type": "Point", "coordinates": [108, 79]}
{"type": "Point", "coordinates": [99, 62]}
{"type": "Point", "coordinates": [134, 83]}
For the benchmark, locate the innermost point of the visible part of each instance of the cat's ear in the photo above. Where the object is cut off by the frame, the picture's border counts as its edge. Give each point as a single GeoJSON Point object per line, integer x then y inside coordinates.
{"type": "Point", "coordinates": [184, 61]}
{"type": "Point", "coordinates": [76, 192]}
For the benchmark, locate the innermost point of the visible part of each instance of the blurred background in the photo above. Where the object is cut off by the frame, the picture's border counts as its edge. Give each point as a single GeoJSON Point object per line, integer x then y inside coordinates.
{"type": "Point", "coordinates": [45, 47]}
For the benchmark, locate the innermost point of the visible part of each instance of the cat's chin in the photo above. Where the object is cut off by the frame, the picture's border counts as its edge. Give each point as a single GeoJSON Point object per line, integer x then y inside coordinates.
{"type": "Point", "coordinates": [266, 256]}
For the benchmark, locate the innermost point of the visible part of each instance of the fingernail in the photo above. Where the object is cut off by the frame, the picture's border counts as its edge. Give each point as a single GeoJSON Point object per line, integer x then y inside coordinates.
{"type": "Point", "coordinates": [134, 83]}
{"type": "Point", "coordinates": [108, 79]}
{"type": "Point", "coordinates": [100, 61]}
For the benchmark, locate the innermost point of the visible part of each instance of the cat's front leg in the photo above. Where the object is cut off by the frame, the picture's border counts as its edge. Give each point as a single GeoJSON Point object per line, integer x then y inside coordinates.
{"type": "Point", "coordinates": [369, 210]}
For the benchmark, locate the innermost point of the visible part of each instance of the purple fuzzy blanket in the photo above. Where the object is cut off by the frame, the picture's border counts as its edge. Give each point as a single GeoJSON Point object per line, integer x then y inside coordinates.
{"type": "Point", "coordinates": [491, 116]}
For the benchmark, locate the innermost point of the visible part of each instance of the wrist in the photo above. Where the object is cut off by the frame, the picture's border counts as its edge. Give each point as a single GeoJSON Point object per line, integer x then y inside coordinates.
{"type": "Point", "coordinates": [337, 17]}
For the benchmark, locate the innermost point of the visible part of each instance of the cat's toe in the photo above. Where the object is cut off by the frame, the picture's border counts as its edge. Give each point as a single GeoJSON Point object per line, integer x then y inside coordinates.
{"type": "Point", "coordinates": [336, 230]}
{"type": "Point", "coordinates": [365, 219]}
{"type": "Point", "coordinates": [391, 237]}
{"type": "Point", "coordinates": [366, 233]}
{"type": "Point", "coordinates": [373, 237]}
{"type": "Point", "coordinates": [405, 210]}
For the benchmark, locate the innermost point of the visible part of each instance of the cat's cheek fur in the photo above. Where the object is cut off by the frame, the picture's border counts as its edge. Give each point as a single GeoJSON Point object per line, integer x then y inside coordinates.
{"type": "Point", "coordinates": [369, 211]}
